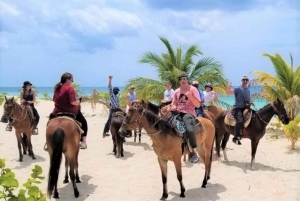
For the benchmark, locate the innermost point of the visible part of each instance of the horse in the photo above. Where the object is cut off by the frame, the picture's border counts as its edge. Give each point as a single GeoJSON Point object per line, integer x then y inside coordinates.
{"type": "Point", "coordinates": [23, 124]}
{"type": "Point", "coordinates": [168, 145]}
{"type": "Point", "coordinates": [118, 137]}
{"type": "Point", "coordinates": [254, 131]}
{"type": "Point", "coordinates": [63, 136]}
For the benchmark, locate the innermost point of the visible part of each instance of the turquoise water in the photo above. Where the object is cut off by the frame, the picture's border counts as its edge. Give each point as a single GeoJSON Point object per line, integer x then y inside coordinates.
{"type": "Point", "coordinates": [14, 91]}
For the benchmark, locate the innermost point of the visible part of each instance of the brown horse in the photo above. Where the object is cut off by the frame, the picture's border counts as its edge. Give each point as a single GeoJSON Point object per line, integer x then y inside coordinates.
{"type": "Point", "coordinates": [167, 144]}
{"type": "Point", "coordinates": [254, 131]}
{"type": "Point", "coordinates": [63, 136]}
{"type": "Point", "coordinates": [22, 122]}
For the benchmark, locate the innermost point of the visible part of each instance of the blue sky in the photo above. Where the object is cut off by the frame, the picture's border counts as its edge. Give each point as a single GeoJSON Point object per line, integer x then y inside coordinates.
{"type": "Point", "coordinates": [39, 40]}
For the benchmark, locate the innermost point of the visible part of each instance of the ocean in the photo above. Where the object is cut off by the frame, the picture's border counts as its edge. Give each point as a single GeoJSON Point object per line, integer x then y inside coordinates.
{"type": "Point", "coordinates": [14, 91]}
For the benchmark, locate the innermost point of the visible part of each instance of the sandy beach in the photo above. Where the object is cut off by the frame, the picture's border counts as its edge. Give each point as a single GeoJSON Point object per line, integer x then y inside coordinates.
{"type": "Point", "coordinates": [137, 177]}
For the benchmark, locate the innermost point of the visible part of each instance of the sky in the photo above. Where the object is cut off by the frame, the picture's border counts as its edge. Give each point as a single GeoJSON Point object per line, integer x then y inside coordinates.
{"type": "Point", "coordinates": [92, 39]}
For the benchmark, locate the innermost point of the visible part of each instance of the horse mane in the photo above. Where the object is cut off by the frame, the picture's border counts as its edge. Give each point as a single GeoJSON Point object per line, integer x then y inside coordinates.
{"type": "Point", "coordinates": [152, 107]}
{"type": "Point", "coordinates": [160, 124]}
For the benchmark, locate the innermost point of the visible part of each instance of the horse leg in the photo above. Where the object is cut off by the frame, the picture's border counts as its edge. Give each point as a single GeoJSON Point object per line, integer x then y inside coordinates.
{"type": "Point", "coordinates": [219, 137]}
{"type": "Point", "coordinates": [19, 139]}
{"type": "Point", "coordinates": [30, 147]}
{"type": "Point", "coordinates": [56, 195]}
{"type": "Point", "coordinates": [254, 144]}
{"type": "Point", "coordinates": [66, 180]}
{"type": "Point", "coordinates": [223, 145]}
{"type": "Point", "coordinates": [177, 163]}
{"type": "Point", "coordinates": [24, 144]}
{"type": "Point", "coordinates": [205, 159]}
{"type": "Point", "coordinates": [76, 168]}
{"type": "Point", "coordinates": [114, 143]}
{"type": "Point", "coordinates": [164, 169]}
{"type": "Point", "coordinates": [140, 135]}
{"type": "Point", "coordinates": [72, 163]}
{"type": "Point", "coordinates": [135, 134]}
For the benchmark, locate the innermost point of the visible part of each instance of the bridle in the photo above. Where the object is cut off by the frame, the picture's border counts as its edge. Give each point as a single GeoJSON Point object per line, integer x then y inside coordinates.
{"type": "Point", "coordinates": [280, 116]}
{"type": "Point", "coordinates": [8, 115]}
{"type": "Point", "coordinates": [128, 125]}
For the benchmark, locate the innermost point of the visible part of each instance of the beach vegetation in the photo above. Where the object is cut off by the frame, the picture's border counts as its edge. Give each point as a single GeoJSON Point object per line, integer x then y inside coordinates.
{"type": "Point", "coordinates": [170, 64]}
{"type": "Point", "coordinates": [285, 84]}
{"type": "Point", "coordinates": [9, 185]}
{"type": "Point", "coordinates": [46, 96]}
{"type": "Point", "coordinates": [292, 131]}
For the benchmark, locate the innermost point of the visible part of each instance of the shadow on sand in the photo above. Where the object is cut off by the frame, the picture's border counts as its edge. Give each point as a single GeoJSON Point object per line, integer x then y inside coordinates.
{"type": "Point", "coordinates": [209, 193]}
{"type": "Point", "coordinates": [28, 161]}
{"type": "Point", "coordinates": [84, 188]}
{"type": "Point", "coordinates": [143, 144]}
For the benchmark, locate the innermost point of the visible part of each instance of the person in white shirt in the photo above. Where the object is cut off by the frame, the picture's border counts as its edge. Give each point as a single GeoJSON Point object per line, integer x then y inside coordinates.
{"type": "Point", "coordinates": [169, 93]}
{"type": "Point", "coordinates": [209, 94]}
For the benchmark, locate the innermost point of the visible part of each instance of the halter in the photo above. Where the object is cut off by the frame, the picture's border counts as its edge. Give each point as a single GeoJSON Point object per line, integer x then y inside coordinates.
{"type": "Point", "coordinates": [23, 113]}
{"type": "Point", "coordinates": [281, 117]}
{"type": "Point", "coordinates": [126, 125]}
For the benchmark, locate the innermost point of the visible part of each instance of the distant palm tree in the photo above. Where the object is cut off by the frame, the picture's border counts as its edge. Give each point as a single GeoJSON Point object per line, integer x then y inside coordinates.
{"type": "Point", "coordinates": [171, 64]}
{"type": "Point", "coordinates": [285, 84]}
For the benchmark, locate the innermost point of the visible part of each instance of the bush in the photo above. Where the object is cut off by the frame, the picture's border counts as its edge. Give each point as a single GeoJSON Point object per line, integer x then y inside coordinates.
{"type": "Point", "coordinates": [9, 185]}
{"type": "Point", "coordinates": [292, 131]}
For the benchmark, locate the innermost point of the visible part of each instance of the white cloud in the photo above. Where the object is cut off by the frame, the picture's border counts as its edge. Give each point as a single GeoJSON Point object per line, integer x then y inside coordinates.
{"type": "Point", "coordinates": [94, 20]}
{"type": "Point", "coordinates": [7, 9]}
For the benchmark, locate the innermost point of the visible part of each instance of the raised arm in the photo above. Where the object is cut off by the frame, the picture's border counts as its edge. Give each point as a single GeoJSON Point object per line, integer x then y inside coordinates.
{"type": "Point", "coordinates": [109, 84]}
{"type": "Point", "coordinates": [229, 89]}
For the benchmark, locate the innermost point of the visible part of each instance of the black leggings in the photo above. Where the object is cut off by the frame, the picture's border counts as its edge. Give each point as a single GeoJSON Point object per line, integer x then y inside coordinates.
{"type": "Point", "coordinates": [81, 119]}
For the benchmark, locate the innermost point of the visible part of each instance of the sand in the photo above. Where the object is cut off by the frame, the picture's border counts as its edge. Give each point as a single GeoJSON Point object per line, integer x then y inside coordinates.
{"type": "Point", "coordinates": [137, 177]}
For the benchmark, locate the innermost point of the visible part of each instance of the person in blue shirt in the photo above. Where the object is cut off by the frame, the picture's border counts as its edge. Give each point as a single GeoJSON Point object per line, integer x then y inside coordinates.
{"type": "Point", "coordinates": [114, 105]}
{"type": "Point", "coordinates": [199, 110]}
{"type": "Point", "coordinates": [242, 101]}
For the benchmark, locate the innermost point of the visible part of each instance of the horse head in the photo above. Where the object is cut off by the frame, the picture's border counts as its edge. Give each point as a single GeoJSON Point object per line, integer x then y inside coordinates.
{"type": "Point", "coordinates": [9, 107]}
{"type": "Point", "coordinates": [280, 111]}
{"type": "Point", "coordinates": [131, 120]}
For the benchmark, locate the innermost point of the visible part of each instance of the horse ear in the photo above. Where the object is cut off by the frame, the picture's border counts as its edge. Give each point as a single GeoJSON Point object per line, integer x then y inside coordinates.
{"type": "Point", "coordinates": [13, 99]}
{"type": "Point", "coordinates": [143, 102]}
{"type": "Point", "coordinates": [278, 100]}
{"type": "Point", "coordinates": [5, 98]}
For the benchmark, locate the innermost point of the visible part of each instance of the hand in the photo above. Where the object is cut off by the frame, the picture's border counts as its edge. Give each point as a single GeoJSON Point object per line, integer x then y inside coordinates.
{"type": "Point", "coordinates": [110, 77]}
{"type": "Point", "coordinates": [229, 85]}
{"type": "Point", "coordinates": [188, 94]}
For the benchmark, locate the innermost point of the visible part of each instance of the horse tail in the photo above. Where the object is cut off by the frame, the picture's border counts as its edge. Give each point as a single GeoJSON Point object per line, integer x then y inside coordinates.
{"type": "Point", "coordinates": [212, 147]}
{"type": "Point", "coordinates": [57, 144]}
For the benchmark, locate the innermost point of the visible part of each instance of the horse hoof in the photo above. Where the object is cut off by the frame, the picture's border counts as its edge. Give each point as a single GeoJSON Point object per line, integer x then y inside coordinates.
{"type": "Point", "coordinates": [66, 181]}
{"type": "Point", "coordinates": [164, 197]}
{"type": "Point", "coordinates": [182, 195]}
{"type": "Point", "coordinates": [56, 195]}
{"type": "Point", "coordinates": [76, 193]}
{"type": "Point", "coordinates": [33, 157]}
{"type": "Point", "coordinates": [20, 159]}
{"type": "Point", "coordinates": [203, 186]}
{"type": "Point", "coordinates": [78, 181]}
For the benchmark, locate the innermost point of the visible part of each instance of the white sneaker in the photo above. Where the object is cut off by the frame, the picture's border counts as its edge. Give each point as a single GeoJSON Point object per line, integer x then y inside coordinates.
{"type": "Point", "coordinates": [83, 145]}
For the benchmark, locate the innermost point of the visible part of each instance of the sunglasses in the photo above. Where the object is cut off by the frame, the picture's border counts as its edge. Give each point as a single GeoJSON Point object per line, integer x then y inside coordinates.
{"type": "Point", "coordinates": [245, 80]}
{"type": "Point", "coordinates": [183, 79]}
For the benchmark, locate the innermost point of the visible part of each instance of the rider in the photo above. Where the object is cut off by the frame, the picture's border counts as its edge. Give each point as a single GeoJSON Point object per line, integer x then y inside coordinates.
{"type": "Point", "coordinates": [168, 94]}
{"type": "Point", "coordinates": [185, 99]}
{"type": "Point", "coordinates": [28, 96]}
{"type": "Point", "coordinates": [65, 101]}
{"type": "Point", "coordinates": [242, 101]}
{"type": "Point", "coordinates": [209, 94]}
{"type": "Point", "coordinates": [199, 110]}
{"type": "Point", "coordinates": [114, 102]}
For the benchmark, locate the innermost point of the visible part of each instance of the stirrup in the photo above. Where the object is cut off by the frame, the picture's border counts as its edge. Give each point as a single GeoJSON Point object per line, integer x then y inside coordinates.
{"type": "Point", "coordinates": [35, 131]}
{"type": "Point", "coordinates": [8, 128]}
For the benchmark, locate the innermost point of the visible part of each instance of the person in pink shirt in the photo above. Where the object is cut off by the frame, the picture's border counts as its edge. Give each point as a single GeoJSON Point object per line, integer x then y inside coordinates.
{"type": "Point", "coordinates": [185, 99]}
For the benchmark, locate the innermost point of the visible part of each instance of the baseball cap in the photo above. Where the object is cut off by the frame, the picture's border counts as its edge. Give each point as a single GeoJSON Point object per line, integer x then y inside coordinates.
{"type": "Point", "coordinates": [116, 89]}
{"type": "Point", "coordinates": [195, 82]}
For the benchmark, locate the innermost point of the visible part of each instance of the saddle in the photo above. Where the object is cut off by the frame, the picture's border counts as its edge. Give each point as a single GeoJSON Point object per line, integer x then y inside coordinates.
{"type": "Point", "coordinates": [70, 118]}
{"type": "Point", "coordinates": [231, 121]}
{"type": "Point", "coordinates": [119, 113]}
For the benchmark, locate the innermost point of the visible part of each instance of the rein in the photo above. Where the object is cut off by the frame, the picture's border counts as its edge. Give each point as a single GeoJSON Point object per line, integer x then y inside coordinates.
{"type": "Point", "coordinates": [281, 117]}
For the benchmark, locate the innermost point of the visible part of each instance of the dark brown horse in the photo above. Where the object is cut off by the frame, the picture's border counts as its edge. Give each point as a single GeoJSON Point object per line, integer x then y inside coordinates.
{"type": "Point", "coordinates": [254, 131]}
{"type": "Point", "coordinates": [22, 122]}
{"type": "Point", "coordinates": [63, 136]}
{"type": "Point", "coordinates": [117, 137]}
{"type": "Point", "coordinates": [167, 144]}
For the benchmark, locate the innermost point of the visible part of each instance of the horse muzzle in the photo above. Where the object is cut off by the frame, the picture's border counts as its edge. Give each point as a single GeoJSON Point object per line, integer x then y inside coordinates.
{"type": "Point", "coordinates": [285, 121]}
{"type": "Point", "coordinates": [4, 119]}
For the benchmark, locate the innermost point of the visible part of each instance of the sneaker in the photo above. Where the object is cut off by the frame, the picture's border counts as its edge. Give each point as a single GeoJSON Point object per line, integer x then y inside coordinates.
{"type": "Point", "coordinates": [8, 128]}
{"type": "Point", "coordinates": [194, 158]}
{"type": "Point", "coordinates": [237, 141]}
{"type": "Point", "coordinates": [83, 145]}
{"type": "Point", "coordinates": [105, 135]}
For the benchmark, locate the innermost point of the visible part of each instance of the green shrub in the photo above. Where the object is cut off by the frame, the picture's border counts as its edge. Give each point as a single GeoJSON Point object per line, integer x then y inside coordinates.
{"type": "Point", "coordinates": [9, 185]}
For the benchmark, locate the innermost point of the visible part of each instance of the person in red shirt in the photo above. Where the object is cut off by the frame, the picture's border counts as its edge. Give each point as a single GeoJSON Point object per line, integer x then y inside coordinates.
{"type": "Point", "coordinates": [64, 98]}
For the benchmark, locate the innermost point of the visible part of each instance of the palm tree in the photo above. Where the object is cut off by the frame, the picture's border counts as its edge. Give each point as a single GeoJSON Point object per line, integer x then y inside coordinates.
{"type": "Point", "coordinates": [171, 64]}
{"type": "Point", "coordinates": [285, 84]}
